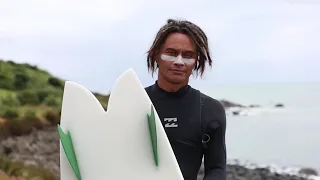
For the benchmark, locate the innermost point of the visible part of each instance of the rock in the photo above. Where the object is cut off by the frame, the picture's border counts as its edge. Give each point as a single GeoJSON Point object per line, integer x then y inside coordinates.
{"type": "Point", "coordinates": [279, 105]}
{"type": "Point", "coordinates": [228, 104]}
{"type": "Point", "coordinates": [253, 106]}
{"type": "Point", "coordinates": [238, 172]}
{"type": "Point", "coordinates": [42, 148]}
{"type": "Point", "coordinates": [236, 113]}
{"type": "Point", "coordinates": [2, 173]}
{"type": "Point", "coordinates": [308, 172]}
{"type": "Point", "coordinates": [4, 176]}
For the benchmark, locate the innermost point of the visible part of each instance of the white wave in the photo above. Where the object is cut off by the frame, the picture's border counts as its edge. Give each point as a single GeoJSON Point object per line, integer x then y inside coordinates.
{"type": "Point", "coordinates": [274, 168]}
{"type": "Point", "coordinates": [255, 111]}
{"type": "Point", "coordinates": [314, 177]}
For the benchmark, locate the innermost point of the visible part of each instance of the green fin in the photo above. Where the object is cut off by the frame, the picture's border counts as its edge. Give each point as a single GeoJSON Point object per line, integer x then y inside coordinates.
{"type": "Point", "coordinates": [69, 151]}
{"type": "Point", "coordinates": [153, 135]}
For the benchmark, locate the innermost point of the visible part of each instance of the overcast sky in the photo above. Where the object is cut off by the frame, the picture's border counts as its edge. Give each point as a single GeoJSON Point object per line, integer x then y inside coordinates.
{"type": "Point", "coordinates": [93, 42]}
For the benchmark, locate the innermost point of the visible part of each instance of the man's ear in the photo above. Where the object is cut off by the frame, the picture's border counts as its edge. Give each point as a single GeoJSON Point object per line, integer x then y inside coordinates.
{"type": "Point", "coordinates": [196, 64]}
{"type": "Point", "coordinates": [157, 56]}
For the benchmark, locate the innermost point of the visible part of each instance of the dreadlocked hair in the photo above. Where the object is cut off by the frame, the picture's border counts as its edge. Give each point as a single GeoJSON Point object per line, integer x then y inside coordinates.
{"type": "Point", "coordinates": [186, 27]}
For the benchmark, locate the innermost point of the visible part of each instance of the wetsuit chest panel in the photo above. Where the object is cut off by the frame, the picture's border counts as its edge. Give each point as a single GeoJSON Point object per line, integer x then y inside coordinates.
{"type": "Point", "coordinates": [181, 123]}
{"type": "Point", "coordinates": [180, 117]}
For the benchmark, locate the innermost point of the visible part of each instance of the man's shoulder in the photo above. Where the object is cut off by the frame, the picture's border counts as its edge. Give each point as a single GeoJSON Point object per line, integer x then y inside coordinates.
{"type": "Point", "coordinates": [213, 110]}
{"type": "Point", "coordinates": [210, 101]}
{"type": "Point", "coordinates": [148, 88]}
{"type": "Point", "coordinates": [212, 106]}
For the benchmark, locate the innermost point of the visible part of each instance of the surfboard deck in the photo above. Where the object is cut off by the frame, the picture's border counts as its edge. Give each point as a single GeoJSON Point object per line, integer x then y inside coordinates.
{"type": "Point", "coordinates": [114, 144]}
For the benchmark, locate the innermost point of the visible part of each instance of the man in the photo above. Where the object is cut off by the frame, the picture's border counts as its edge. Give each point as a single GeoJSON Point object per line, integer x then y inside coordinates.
{"type": "Point", "coordinates": [194, 122]}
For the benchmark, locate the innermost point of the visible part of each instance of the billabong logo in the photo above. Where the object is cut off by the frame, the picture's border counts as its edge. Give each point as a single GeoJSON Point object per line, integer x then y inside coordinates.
{"type": "Point", "coordinates": [171, 122]}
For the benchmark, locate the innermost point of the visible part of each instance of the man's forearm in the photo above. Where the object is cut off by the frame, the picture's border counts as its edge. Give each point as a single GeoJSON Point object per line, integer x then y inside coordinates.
{"type": "Point", "coordinates": [215, 173]}
{"type": "Point", "coordinates": [215, 156]}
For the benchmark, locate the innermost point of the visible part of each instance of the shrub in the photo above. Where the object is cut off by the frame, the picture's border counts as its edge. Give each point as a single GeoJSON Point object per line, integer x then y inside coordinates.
{"type": "Point", "coordinates": [21, 81]}
{"type": "Point", "coordinates": [10, 100]}
{"type": "Point", "coordinates": [23, 125]}
{"type": "Point", "coordinates": [28, 97]}
{"type": "Point", "coordinates": [10, 113]}
{"type": "Point", "coordinates": [32, 119]}
{"type": "Point", "coordinates": [2, 77]}
{"type": "Point", "coordinates": [11, 63]}
{"type": "Point", "coordinates": [52, 101]}
{"type": "Point", "coordinates": [18, 169]}
{"type": "Point", "coordinates": [5, 82]}
{"type": "Point", "coordinates": [55, 82]}
{"type": "Point", "coordinates": [19, 68]}
{"type": "Point", "coordinates": [42, 94]}
{"type": "Point", "coordinates": [4, 132]}
{"type": "Point", "coordinates": [53, 117]}
{"type": "Point", "coordinates": [29, 114]}
{"type": "Point", "coordinates": [34, 173]}
{"type": "Point", "coordinates": [34, 67]}
{"type": "Point", "coordinates": [4, 163]}
{"type": "Point", "coordinates": [19, 126]}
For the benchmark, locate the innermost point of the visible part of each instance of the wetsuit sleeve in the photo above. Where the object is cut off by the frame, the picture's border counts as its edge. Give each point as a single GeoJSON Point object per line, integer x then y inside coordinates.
{"type": "Point", "coordinates": [215, 153]}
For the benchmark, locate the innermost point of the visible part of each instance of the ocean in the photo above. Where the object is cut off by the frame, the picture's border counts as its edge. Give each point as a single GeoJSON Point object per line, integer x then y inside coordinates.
{"type": "Point", "coordinates": [286, 137]}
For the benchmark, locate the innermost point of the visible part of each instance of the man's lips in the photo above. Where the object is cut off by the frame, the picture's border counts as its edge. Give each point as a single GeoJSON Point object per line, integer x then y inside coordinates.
{"type": "Point", "coordinates": [179, 71]}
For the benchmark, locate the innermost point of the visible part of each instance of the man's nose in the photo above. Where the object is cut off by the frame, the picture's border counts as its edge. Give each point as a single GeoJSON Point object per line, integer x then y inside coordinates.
{"type": "Point", "coordinates": [179, 65]}
{"type": "Point", "coordinates": [179, 61]}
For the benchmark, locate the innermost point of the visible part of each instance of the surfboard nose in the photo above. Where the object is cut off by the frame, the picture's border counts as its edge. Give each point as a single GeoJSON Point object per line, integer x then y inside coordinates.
{"type": "Point", "coordinates": [110, 143]}
{"type": "Point", "coordinates": [81, 114]}
{"type": "Point", "coordinates": [79, 97]}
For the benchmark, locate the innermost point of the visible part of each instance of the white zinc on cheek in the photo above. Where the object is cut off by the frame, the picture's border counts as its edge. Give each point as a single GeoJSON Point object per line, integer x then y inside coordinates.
{"type": "Point", "coordinates": [179, 59]}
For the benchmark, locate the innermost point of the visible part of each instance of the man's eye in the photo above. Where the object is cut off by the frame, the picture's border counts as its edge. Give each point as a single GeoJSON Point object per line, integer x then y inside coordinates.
{"type": "Point", "coordinates": [188, 55]}
{"type": "Point", "coordinates": [171, 52]}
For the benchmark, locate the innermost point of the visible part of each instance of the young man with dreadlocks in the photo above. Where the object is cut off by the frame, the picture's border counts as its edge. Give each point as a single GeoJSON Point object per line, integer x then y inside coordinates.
{"type": "Point", "coordinates": [194, 122]}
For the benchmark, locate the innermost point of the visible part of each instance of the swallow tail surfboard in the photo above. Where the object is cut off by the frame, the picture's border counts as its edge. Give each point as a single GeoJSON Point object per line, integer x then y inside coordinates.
{"type": "Point", "coordinates": [125, 142]}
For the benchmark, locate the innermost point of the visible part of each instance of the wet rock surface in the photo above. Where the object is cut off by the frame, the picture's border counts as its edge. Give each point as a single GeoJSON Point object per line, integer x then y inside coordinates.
{"type": "Point", "coordinates": [237, 172]}
{"type": "Point", "coordinates": [41, 148]}
{"type": "Point", "coordinates": [228, 104]}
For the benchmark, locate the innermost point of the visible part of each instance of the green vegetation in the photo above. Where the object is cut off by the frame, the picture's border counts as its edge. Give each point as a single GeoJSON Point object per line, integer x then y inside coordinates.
{"type": "Point", "coordinates": [19, 171]}
{"type": "Point", "coordinates": [29, 97]}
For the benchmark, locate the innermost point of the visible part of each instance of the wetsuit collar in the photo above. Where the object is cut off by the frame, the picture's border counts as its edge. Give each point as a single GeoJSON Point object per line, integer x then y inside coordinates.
{"type": "Point", "coordinates": [182, 91]}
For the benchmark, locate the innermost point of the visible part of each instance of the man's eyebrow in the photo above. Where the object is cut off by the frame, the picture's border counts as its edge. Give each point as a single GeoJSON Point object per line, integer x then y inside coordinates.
{"type": "Point", "coordinates": [190, 51]}
{"type": "Point", "coordinates": [174, 49]}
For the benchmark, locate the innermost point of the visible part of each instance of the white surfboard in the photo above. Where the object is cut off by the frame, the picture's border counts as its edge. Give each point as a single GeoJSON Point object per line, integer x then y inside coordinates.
{"type": "Point", "coordinates": [114, 144]}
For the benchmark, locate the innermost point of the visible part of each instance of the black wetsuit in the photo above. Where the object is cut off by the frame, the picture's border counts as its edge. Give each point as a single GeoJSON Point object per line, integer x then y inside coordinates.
{"type": "Point", "coordinates": [186, 125]}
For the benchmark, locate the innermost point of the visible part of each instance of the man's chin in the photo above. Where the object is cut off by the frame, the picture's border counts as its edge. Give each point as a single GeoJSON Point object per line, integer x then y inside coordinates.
{"type": "Point", "coordinates": [177, 80]}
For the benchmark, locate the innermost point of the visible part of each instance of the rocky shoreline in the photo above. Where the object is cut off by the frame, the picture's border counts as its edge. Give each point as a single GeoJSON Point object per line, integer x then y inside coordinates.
{"type": "Point", "coordinates": [41, 148]}
{"type": "Point", "coordinates": [235, 109]}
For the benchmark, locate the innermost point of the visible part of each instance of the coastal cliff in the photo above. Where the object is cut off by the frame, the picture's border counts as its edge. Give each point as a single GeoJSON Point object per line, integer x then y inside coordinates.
{"type": "Point", "coordinates": [30, 101]}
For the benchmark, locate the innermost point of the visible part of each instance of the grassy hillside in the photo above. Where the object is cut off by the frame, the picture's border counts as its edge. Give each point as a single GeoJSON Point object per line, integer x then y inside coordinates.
{"type": "Point", "coordinates": [18, 171]}
{"type": "Point", "coordinates": [29, 97]}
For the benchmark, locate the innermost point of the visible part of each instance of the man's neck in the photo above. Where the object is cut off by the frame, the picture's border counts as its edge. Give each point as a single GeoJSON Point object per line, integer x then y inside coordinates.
{"type": "Point", "coordinates": [170, 87]}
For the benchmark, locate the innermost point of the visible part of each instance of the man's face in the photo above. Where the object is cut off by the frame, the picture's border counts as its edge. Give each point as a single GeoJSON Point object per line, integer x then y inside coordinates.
{"type": "Point", "coordinates": [177, 58]}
